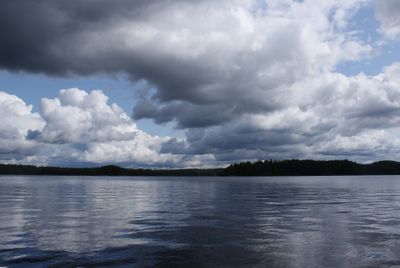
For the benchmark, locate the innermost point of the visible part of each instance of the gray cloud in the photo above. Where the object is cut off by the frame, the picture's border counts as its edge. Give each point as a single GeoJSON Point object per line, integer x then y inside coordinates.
{"type": "Point", "coordinates": [387, 12]}
{"type": "Point", "coordinates": [237, 56]}
{"type": "Point", "coordinates": [45, 35]}
{"type": "Point", "coordinates": [338, 117]}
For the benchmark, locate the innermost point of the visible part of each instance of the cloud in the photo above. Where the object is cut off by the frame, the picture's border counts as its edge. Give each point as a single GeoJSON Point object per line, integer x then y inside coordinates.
{"type": "Point", "coordinates": [80, 117]}
{"type": "Point", "coordinates": [244, 79]}
{"type": "Point", "coordinates": [225, 58]}
{"type": "Point", "coordinates": [78, 128]}
{"type": "Point", "coordinates": [387, 13]}
{"type": "Point", "coordinates": [98, 132]}
{"type": "Point", "coordinates": [337, 117]}
{"type": "Point", "coordinates": [17, 121]}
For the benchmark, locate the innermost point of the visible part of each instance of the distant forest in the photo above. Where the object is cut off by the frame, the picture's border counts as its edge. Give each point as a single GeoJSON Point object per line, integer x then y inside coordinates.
{"type": "Point", "coordinates": [109, 170]}
{"type": "Point", "coordinates": [259, 168]}
{"type": "Point", "coordinates": [311, 168]}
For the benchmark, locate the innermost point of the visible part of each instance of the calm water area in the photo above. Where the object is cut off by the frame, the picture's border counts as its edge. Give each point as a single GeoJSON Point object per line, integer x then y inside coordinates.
{"type": "Point", "coordinates": [200, 221]}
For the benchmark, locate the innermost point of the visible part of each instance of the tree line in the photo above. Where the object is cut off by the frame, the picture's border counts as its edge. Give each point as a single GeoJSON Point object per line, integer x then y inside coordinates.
{"type": "Point", "coordinates": [109, 170]}
{"type": "Point", "coordinates": [296, 167]}
{"type": "Point", "coordinates": [292, 167]}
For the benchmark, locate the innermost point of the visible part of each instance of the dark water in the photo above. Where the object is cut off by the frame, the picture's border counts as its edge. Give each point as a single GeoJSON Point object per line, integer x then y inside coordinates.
{"type": "Point", "coordinates": [200, 222]}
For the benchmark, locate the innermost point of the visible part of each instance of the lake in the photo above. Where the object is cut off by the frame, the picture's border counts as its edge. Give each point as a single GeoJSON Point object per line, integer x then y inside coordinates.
{"type": "Point", "coordinates": [200, 221]}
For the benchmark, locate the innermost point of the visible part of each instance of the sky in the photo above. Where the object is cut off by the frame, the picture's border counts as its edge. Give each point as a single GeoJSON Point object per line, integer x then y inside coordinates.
{"type": "Point", "coordinates": [179, 83]}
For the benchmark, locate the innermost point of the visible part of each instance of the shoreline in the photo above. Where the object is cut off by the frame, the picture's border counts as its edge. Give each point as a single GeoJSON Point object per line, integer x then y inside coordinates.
{"type": "Point", "coordinates": [265, 168]}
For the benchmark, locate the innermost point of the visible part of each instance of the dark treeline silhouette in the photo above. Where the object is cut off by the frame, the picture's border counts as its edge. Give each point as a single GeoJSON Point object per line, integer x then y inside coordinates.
{"type": "Point", "coordinates": [103, 171]}
{"type": "Point", "coordinates": [311, 168]}
{"type": "Point", "coordinates": [259, 168]}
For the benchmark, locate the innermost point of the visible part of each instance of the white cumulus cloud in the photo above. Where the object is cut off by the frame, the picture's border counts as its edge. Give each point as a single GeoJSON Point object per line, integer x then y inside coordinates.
{"type": "Point", "coordinates": [17, 121]}
{"type": "Point", "coordinates": [77, 127]}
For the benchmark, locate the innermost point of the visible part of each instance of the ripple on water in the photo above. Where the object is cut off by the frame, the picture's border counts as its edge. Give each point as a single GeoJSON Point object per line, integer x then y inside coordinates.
{"type": "Point", "coordinates": [200, 222]}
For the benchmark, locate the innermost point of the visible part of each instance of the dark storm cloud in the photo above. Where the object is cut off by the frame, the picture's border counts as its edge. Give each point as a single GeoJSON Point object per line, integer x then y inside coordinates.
{"type": "Point", "coordinates": [193, 115]}
{"type": "Point", "coordinates": [242, 138]}
{"type": "Point", "coordinates": [38, 36]}
{"type": "Point", "coordinates": [185, 50]}
{"type": "Point", "coordinates": [51, 37]}
{"type": "Point", "coordinates": [187, 115]}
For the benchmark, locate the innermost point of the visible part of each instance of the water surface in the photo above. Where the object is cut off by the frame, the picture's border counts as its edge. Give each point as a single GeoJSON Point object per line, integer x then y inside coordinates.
{"type": "Point", "coordinates": [200, 222]}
